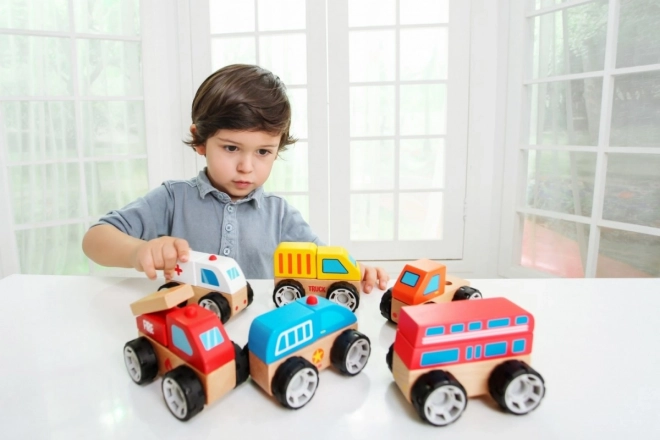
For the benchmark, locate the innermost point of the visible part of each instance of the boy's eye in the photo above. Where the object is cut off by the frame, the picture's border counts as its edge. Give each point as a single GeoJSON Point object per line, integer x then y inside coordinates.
{"type": "Point", "coordinates": [231, 148]}
{"type": "Point", "coordinates": [263, 152]}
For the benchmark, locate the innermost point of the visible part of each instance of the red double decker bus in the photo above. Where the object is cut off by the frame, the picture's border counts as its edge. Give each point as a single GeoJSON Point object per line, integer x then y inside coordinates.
{"type": "Point", "coordinates": [445, 353]}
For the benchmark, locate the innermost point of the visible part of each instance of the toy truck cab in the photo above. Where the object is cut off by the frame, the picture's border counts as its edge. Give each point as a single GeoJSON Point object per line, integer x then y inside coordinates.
{"type": "Point", "coordinates": [218, 283]}
{"type": "Point", "coordinates": [424, 281]}
{"type": "Point", "coordinates": [307, 269]}
{"type": "Point", "coordinates": [444, 353]}
{"type": "Point", "coordinates": [189, 347]}
{"type": "Point", "coordinates": [288, 346]}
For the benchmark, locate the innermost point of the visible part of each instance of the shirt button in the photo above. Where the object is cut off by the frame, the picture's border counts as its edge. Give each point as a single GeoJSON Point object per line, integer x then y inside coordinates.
{"type": "Point", "coordinates": [230, 208]}
{"type": "Point", "coordinates": [226, 251]}
{"type": "Point", "coordinates": [228, 228]}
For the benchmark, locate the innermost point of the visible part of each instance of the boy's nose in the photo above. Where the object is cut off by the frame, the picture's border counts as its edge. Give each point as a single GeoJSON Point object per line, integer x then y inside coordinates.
{"type": "Point", "coordinates": [245, 164]}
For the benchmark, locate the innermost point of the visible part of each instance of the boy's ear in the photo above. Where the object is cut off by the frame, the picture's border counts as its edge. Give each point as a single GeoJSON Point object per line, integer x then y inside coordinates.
{"type": "Point", "coordinates": [200, 149]}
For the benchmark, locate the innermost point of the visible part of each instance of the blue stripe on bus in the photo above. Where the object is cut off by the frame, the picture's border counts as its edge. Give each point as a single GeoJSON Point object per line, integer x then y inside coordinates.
{"type": "Point", "coordinates": [434, 331]}
{"type": "Point", "coordinates": [495, 349]}
{"type": "Point", "coordinates": [518, 346]}
{"type": "Point", "coordinates": [474, 326]}
{"type": "Point", "coordinates": [500, 322]}
{"type": "Point", "coordinates": [468, 353]}
{"type": "Point", "coordinates": [439, 357]}
{"type": "Point", "coordinates": [457, 328]}
{"type": "Point", "coordinates": [522, 320]}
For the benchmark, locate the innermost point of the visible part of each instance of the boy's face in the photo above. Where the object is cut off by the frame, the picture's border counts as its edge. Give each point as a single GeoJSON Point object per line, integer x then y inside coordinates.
{"type": "Point", "coordinates": [238, 162]}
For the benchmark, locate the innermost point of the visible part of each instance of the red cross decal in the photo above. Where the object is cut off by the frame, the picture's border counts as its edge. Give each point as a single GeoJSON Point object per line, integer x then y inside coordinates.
{"type": "Point", "coordinates": [178, 270]}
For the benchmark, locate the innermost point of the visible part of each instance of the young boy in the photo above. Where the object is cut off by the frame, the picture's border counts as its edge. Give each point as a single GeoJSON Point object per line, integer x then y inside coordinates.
{"type": "Point", "coordinates": [241, 118]}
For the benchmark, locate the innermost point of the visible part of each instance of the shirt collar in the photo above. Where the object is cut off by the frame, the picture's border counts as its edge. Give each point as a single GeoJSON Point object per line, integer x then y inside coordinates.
{"type": "Point", "coordinates": [204, 186]}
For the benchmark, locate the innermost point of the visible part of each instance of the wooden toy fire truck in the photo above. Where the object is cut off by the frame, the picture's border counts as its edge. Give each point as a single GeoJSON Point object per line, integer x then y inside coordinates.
{"type": "Point", "coordinates": [444, 353]}
{"type": "Point", "coordinates": [189, 347]}
{"type": "Point", "coordinates": [290, 345]}
{"type": "Point", "coordinates": [307, 269]}
{"type": "Point", "coordinates": [422, 282]}
{"type": "Point", "coordinates": [218, 283]}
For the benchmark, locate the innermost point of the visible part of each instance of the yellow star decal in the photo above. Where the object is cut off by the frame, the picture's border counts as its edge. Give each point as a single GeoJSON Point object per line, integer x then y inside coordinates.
{"type": "Point", "coordinates": [317, 356]}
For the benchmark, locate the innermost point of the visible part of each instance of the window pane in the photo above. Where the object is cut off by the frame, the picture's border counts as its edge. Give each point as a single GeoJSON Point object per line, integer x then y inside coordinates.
{"type": "Point", "coordinates": [636, 110]}
{"type": "Point", "coordinates": [371, 12]}
{"type": "Point", "coordinates": [554, 246]}
{"type": "Point", "coordinates": [229, 16]}
{"type": "Point", "coordinates": [42, 193]}
{"type": "Point", "coordinates": [285, 56]}
{"type": "Point", "coordinates": [565, 112]}
{"type": "Point", "coordinates": [632, 189]}
{"type": "Point", "coordinates": [424, 54]}
{"type": "Point", "coordinates": [639, 33]}
{"type": "Point", "coordinates": [52, 251]}
{"type": "Point", "coordinates": [113, 128]}
{"type": "Point", "coordinates": [233, 50]}
{"type": "Point", "coordinates": [50, 15]}
{"type": "Point", "coordinates": [561, 181]}
{"type": "Point", "coordinates": [120, 17]}
{"type": "Point", "coordinates": [372, 111]}
{"type": "Point", "coordinates": [372, 217]}
{"type": "Point", "coordinates": [422, 163]}
{"type": "Point", "coordinates": [372, 164]}
{"type": "Point", "coordinates": [281, 14]}
{"type": "Point", "coordinates": [114, 183]}
{"type": "Point", "coordinates": [371, 56]}
{"type": "Point", "coordinates": [570, 40]}
{"type": "Point", "coordinates": [423, 109]}
{"type": "Point", "coordinates": [33, 66]}
{"type": "Point", "coordinates": [290, 170]}
{"type": "Point", "coordinates": [37, 130]}
{"type": "Point", "coordinates": [298, 100]}
{"type": "Point", "coordinates": [624, 254]}
{"type": "Point", "coordinates": [109, 68]}
{"type": "Point", "coordinates": [538, 4]}
{"type": "Point", "coordinates": [420, 216]}
{"type": "Point", "coordinates": [424, 11]}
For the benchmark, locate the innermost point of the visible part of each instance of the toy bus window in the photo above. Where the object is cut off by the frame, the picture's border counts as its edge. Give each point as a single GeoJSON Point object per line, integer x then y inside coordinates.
{"type": "Point", "coordinates": [520, 320]}
{"type": "Point", "coordinates": [439, 357]}
{"type": "Point", "coordinates": [457, 328]}
{"type": "Point", "coordinates": [433, 284]}
{"type": "Point", "coordinates": [409, 279]}
{"type": "Point", "coordinates": [477, 352]}
{"type": "Point", "coordinates": [211, 339]}
{"type": "Point", "coordinates": [468, 353]}
{"type": "Point", "coordinates": [291, 338]}
{"type": "Point", "coordinates": [208, 277]}
{"type": "Point", "coordinates": [180, 340]}
{"type": "Point", "coordinates": [501, 322]}
{"type": "Point", "coordinates": [435, 331]}
{"type": "Point", "coordinates": [474, 326]}
{"type": "Point", "coordinates": [495, 349]}
{"type": "Point", "coordinates": [518, 346]}
{"type": "Point", "coordinates": [333, 266]}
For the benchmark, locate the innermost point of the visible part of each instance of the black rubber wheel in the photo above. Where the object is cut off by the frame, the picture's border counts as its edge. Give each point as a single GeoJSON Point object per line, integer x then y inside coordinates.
{"type": "Point", "coordinates": [287, 291]}
{"type": "Point", "coordinates": [389, 357]}
{"type": "Point", "coordinates": [250, 295]}
{"type": "Point", "coordinates": [467, 292]}
{"type": "Point", "coordinates": [438, 398]}
{"type": "Point", "coordinates": [350, 352]}
{"type": "Point", "coordinates": [344, 294]}
{"type": "Point", "coordinates": [169, 286]}
{"type": "Point", "coordinates": [218, 304]}
{"type": "Point", "coordinates": [140, 359]}
{"type": "Point", "coordinates": [295, 382]}
{"type": "Point", "coordinates": [242, 363]}
{"type": "Point", "coordinates": [516, 387]}
{"type": "Point", "coordinates": [386, 305]}
{"type": "Point", "coordinates": [183, 392]}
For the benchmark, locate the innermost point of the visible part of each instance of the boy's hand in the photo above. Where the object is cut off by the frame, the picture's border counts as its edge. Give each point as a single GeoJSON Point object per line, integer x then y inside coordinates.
{"type": "Point", "coordinates": [370, 275]}
{"type": "Point", "coordinates": [160, 254]}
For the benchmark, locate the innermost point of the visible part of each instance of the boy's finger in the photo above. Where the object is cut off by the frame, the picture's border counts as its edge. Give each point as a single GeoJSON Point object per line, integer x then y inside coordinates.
{"type": "Point", "coordinates": [369, 280]}
{"type": "Point", "coordinates": [383, 278]}
{"type": "Point", "coordinates": [182, 249]}
{"type": "Point", "coordinates": [148, 268]}
{"type": "Point", "coordinates": [169, 258]}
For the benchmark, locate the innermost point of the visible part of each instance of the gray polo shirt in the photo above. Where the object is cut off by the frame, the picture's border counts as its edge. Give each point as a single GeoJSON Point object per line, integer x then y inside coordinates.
{"type": "Point", "coordinates": [247, 230]}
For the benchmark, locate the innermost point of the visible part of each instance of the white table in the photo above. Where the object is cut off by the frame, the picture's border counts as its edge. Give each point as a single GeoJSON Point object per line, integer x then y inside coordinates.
{"type": "Point", "coordinates": [597, 344]}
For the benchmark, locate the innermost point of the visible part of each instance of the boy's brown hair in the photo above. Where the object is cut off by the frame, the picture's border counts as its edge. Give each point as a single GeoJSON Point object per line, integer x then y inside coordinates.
{"type": "Point", "coordinates": [241, 97]}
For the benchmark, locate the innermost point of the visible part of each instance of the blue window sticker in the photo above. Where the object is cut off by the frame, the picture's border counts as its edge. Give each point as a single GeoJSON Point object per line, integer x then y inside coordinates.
{"type": "Point", "coordinates": [180, 340]}
{"type": "Point", "coordinates": [435, 331]}
{"type": "Point", "coordinates": [474, 326]}
{"type": "Point", "coordinates": [468, 353]}
{"type": "Point", "coordinates": [518, 346]}
{"type": "Point", "coordinates": [434, 282]}
{"type": "Point", "coordinates": [211, 338]}
{"type": "Point", "coordinates": [500, 322]}
{"type": "Point", "coordinates": [439, 357]}
{"type": "Point", "coordinates": [495, 349]}
{"type": "Point", "coordinates": [232, 273]}
{"type": "Point", "coordinates": [457, 328]}
{"type": "Point", "coordinates": [477, 352]}
{"type": "Point", "coordinates": [208, 277]}
{"type": "Point", "coordinates": [520, 320]}
{"type": "Point", "coordinates": [409, 279]}
{"type": "Point", "coordinates": [352, 260]}
{"type": "Point", "coordinates": [332, 265]}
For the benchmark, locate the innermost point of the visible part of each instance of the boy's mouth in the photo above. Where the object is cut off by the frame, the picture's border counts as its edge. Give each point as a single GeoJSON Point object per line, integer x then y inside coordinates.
{"type": "Point", "coordinates": [242, 183]}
